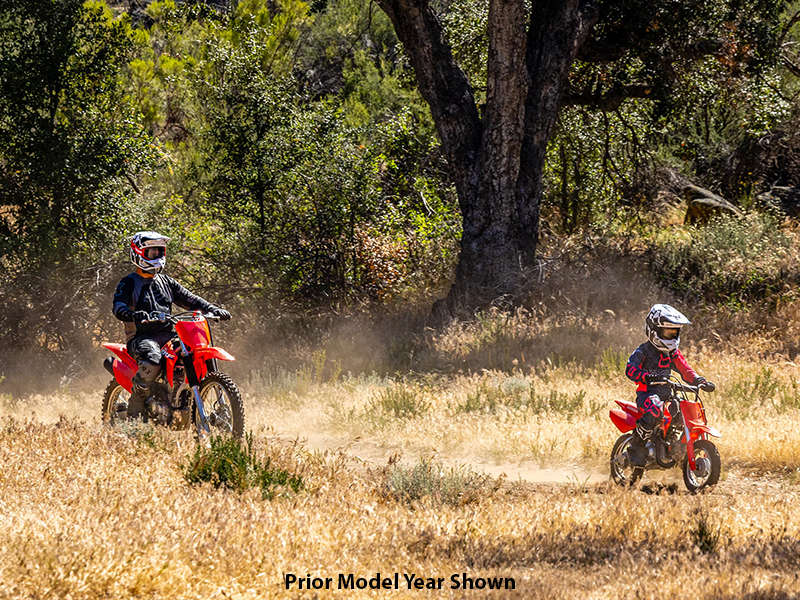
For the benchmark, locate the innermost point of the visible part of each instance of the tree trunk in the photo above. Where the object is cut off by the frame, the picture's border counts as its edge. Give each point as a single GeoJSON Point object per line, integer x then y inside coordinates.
{"type": "Point", "coordinates": [497, 162]}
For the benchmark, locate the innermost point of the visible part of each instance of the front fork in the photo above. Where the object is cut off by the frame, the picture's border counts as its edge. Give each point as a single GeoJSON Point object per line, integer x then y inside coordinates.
{"type": "Point", "coordinates": [689, 448]}
{"type": "Point", "coordinates": [203, 426]}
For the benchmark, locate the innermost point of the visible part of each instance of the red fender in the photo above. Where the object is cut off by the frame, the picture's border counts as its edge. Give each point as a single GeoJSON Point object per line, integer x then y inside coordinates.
{"type": "Point", "coordinates": [697, 427]}
{"type": "Point", "coordinates": [624, 420]}
{"type": "Point", "coordinates": [204, 354]}
{"type": "Point", "coordinates": [124, 367]}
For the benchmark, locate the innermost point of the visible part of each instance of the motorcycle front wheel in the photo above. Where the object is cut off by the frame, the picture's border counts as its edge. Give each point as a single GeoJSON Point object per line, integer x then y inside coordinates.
{"type": "Point", "coordinates": [622, 472]}
{"type": "Point", "coordinates": [223, 406]}
{"type": "Point", "coordinates": [707, 461]}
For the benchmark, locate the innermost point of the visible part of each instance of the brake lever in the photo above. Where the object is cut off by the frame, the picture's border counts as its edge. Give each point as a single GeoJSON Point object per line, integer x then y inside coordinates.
{"type": "Point", "coordinates": [156, 317]}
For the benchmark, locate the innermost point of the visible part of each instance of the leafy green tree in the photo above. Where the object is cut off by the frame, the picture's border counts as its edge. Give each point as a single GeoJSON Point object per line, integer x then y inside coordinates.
{"type": "Point", "coordinates": [320, 198]}
{"type": "Point", "coordinates": [70, 143]}
{"type": "Point", "coordinates": [71, 151]}
{"type": "Point", "coordinates": [541, 57]}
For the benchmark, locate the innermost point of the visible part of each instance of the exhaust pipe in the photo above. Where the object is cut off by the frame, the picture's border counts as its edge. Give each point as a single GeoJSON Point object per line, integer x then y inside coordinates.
{"type": "Point", "coordinates": [108, 363]}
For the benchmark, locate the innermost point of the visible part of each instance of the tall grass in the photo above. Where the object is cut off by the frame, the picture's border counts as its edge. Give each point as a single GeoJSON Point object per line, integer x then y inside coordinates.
{"type": "Point", "coordinates": [91, 512]}
{"type": "Point", "coordinates": [731, 260]}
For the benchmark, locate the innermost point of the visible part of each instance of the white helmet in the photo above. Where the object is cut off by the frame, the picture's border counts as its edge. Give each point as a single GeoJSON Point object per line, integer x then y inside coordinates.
{"type": "Point", "coordinates": [663, 327]}
{"type": "Point", "coordinates": [149, 251]}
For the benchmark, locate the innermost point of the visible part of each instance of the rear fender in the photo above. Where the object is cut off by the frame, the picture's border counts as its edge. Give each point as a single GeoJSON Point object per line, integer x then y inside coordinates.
{"type": "Point", "coordinates": [624, 420]}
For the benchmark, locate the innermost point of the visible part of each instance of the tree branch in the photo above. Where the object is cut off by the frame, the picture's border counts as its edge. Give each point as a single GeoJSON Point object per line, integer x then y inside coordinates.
{"type": "Point", "coordinates": [609, 101]}
{"type": "Point", "coordinates": [443, 85]}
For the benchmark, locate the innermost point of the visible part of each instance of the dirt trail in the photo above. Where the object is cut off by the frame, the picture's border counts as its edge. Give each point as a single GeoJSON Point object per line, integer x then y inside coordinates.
{"type": "Point", "coordinates": [372, 455]}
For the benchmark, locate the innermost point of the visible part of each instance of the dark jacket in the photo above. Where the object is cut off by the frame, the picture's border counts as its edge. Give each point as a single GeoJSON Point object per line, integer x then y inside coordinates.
{"type": "Point", "coordinates": [156, 294]}
{"type": "Point", "coordinates": [647, 359]}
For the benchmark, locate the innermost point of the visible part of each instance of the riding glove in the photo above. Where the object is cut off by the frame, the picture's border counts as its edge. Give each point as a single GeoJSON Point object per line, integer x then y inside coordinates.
{"type": "Point", "coordinates": [221, 313]}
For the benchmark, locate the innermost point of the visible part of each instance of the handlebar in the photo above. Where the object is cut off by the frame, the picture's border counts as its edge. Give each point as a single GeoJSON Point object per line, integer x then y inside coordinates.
{"type": "Point", "coordinates": [676, 385]}
{"type": "Point", "coordinates": [189, 315]}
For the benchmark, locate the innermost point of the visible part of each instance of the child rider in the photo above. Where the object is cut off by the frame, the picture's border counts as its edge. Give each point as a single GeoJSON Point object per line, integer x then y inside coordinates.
{"type": "Point", "coordinates": [650, 365]}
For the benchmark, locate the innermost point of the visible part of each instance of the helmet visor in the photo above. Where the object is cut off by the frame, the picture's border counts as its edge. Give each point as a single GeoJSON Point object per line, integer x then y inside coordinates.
{"type": "Point", "coordinates": [154, 252]}
{"type": "Point", "coordinates": [670, 333]}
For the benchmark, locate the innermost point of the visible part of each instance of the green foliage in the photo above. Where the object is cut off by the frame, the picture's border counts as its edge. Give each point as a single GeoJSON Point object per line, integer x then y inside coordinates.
{"type": "Point", "coordinates": [300, 196]}
{"type": "Point", "coordinates": [69, 140]}
{"type": "Point", "coordinates": [73, 153]}
{"type": "Point", "coordinates": [399, 401]}
{"type": "Point", "coordinates": [429, 480]}
{"type": "Point", "coordinates": [730, 261]}
{"type": "Point", "coordinates": [236, 466]}
{"type": "Point", "coordinates": [520, 394]}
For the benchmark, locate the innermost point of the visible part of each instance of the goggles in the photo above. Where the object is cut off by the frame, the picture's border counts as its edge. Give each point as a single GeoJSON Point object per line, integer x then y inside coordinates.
{"type": "Point", "coordinates": [154, 252]}
{"type": "Point", "coordinates": [670, 333]}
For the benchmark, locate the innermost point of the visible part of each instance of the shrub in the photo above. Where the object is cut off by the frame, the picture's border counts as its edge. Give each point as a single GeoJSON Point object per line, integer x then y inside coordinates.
{"type": "Point", "coordinates": [730, 261]}
{"type": "Point", "coordinates": [398, 401]}
{"type": "Point", "coordinates": [706, 534]}
{"type": "Point", "coordinates": [235, 465]}
{"type": "Point", "coordinates": [429, 479]}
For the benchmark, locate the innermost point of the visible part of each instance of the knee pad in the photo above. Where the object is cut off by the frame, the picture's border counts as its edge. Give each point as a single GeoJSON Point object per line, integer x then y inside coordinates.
{"type": "Point", "coordinates": [646, 425]}
{"type": "Point", "coordinates": [145, 376]}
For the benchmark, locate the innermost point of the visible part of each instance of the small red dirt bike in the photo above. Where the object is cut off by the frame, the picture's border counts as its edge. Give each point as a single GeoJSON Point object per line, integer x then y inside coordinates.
{"type": "Point", "coordinates": [680, 437]}
{"type": "Point", "coordinates": [189, 388]}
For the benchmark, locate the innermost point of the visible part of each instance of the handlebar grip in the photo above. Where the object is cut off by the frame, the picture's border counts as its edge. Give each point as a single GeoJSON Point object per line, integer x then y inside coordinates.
{"type": "Point", "coordinates": [156, 317]}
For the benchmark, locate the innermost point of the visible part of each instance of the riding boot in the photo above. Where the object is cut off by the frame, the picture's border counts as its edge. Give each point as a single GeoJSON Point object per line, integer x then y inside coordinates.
{"type": "Point", "coordinates": [637, 450]}
{"type": "Point", "coordinates": [141, 389]}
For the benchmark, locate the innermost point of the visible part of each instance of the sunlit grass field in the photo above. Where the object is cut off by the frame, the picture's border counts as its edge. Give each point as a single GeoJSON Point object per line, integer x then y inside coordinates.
{"type": "Point", "coordinates": [404, 475]}
{"type": "Point", "coordinates": [485, 460]}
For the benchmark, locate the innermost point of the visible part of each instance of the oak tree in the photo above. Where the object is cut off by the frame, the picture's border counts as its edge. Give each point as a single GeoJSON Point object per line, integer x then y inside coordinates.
{"type": "Point", "coordinates": [543, 55]}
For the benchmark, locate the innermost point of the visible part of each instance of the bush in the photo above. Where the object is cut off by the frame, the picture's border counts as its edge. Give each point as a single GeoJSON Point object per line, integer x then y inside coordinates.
{"type": "Point", "coordinates": [429, 479]}
{"type": "Point", "coordinates": [398, 401]}
{"type": "Point", "coordinates": [231, 464]}
{"type": "Point", "coordinates": [730, 261]}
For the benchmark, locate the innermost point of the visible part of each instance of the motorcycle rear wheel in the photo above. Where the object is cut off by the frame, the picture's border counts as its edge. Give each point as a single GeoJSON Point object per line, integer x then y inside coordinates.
{"type": "Point", "coordinates": [708, 465]}
{"type": "Point", "coordinates": [622, 472]}
{"type": "Point", "coordinates": [114, 393]}
{"type": "Point", "coordinates": [223, 404]}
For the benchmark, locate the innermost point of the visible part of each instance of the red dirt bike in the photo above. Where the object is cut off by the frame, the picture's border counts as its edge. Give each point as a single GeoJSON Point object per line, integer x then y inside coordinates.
{"type": "Point", "coordinates": [189, 388]}
{"type": "Point", "coordinates": [680, 437]}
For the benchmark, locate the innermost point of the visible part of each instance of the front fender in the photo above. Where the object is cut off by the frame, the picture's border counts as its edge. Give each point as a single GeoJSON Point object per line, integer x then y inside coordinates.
{"type": "Point", "coordinates": [203, 354]}
{"type": "Point", "coordinates": [696, 426]}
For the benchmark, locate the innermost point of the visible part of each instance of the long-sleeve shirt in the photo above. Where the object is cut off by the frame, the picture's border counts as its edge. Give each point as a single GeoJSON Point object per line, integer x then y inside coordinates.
{"type": "Point", "coordinates": [152, 294]}
{"type": "Point", "coordinates": [648, 359]}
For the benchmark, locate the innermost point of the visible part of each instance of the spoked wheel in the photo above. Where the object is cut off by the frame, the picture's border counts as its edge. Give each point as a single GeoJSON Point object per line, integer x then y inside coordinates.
{"type": "Point", "coordinates": [622, 472]}
{"type": "Point", "coordinates": [222, 402]}
{"type": "Point", "coordinates": [115, 403]}
{"type": "Point", "coordinates": [706, 475]}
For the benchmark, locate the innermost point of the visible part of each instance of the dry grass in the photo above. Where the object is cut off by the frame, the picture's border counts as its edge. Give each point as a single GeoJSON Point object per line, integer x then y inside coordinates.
{"type": "Point", "coordinates": [89, 513]}
{"type": "Point", "coordinates": [93, 513]}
